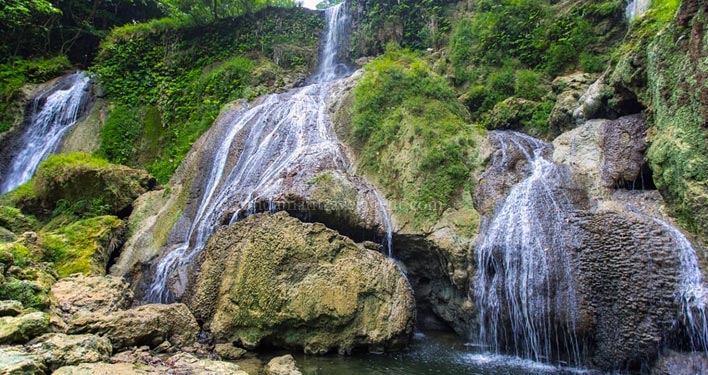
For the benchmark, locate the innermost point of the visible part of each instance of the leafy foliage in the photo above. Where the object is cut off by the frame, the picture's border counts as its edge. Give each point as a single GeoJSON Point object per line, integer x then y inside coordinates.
{"type": "Point", "coordinates": [14, 74]}
{"type": "Point", "coordinates": [411, 24]}
{"type": "Point", "coordinates": [171, 77]}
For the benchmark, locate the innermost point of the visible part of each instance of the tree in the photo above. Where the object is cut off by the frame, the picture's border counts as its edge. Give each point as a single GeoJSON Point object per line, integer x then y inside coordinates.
{"type": "Point", "coordinates": [24, 25]}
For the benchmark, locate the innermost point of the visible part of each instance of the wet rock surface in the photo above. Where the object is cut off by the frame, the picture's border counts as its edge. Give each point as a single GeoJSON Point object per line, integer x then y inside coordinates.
{"type": "Point", "coordinates": [273, 280]}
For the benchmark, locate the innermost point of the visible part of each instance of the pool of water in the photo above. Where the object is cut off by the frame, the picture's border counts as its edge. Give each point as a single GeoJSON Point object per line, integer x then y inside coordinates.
{"type": "Point", "coordinates": [430, 354]}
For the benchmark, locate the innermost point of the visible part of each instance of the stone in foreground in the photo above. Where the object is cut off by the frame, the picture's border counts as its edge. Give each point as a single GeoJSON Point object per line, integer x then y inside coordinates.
{"type": "Point", "coordinates": [271, 279]}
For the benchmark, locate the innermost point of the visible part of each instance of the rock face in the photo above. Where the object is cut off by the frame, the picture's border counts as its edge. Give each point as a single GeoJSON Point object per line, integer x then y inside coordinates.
{"type": "Point", "coordinates": [144, 325]}
{"type": "Point", "coordinates": [271, 279]}
{"type": "Point", "coordinates": [664, 71]}
{"type": "Point", "coordinates": [673, 363]}
{"type": "Point", "coordinates": [627, 271]}
{"type": "Point", "coordinates": [435, 252]}
{"type": "Point", "coordinates": [606, 154]}
{"type": "Point", "coordinates": [568, 89]}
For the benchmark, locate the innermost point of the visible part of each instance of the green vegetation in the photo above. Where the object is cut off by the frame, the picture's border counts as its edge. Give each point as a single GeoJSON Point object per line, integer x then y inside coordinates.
{"type": "Point", "coordinates": [510, 48]}
{"type": "Point", "coordinates": [16, 73]}
{"type": "Point", "coordinates": [412, 24]}
{"type": "Point", "coordinates": [78, 185]}
{"type": "Point", "coordinates": [170, 78]}
{"type": "Point", "coordinates": [83, 246]}
{"type": "Point", "coordinates": [411, 134]}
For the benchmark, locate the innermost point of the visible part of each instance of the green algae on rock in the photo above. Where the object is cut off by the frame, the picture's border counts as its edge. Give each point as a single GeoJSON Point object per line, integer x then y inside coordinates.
{"type": "Point", "coordinates": [271, 279]}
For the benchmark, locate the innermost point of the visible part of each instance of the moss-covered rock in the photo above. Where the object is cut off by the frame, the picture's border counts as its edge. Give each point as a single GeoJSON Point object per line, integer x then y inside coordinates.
{"type": "Point", "coordinates": [20, 329]}
{"type": "Point", "coordinates": [270, 279]}
{"type": "Point", "coordinates": [663, 65]}
{"type": "Point", "coordinates": [80, 184]}
{"type": "Point", "coordinates": [13, 220]}
{"type": "Point", "coordinates": [84, 246]}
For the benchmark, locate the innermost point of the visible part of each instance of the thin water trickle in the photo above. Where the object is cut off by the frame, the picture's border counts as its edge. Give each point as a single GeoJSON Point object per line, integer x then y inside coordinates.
{"type": "Point", "coordinates": [281, 136]}
{"type": "Point", "coordinates": [53, 114]}
{"type": "Point", "coordinates": [692, 294]}
{"type": "Point", "coordinates": [524, 286]}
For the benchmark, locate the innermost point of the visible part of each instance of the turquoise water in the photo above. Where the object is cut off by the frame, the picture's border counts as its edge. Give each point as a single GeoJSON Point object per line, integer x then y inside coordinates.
{"type": "Point", "coordinates": [430, 354]}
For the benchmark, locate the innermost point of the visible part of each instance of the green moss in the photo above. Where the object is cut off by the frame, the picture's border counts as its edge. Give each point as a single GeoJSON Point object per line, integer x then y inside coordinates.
{"type": "Point", "coordinates": [82, 185]}
{"type": "Point", "coordinates": [15, 74]}
{"type": "Point", "coordinates": [411, 135]}
{"type": "Point", "coordinates": [12, 219]}
{"type": "Point", "coordinates": [84, 246]}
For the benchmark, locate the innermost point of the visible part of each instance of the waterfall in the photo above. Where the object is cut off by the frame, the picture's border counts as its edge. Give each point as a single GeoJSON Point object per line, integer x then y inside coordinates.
{"type": "Point", "coordinates": [52, 115]}
{"type": "Point", "coordinates": [636, 8]}
{"type": "Point", "coordinates": [524, 287]}
{"type": "Point", "coordinates": [691, 294]}
{"type": "Point", "coordinates": [282, 136]}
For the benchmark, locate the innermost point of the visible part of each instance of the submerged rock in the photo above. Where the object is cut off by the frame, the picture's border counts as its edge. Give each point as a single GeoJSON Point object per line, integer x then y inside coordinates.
{"type": "Point", "coordinates": [283, 365]}
{"type": "Point", "coordinates": [271, 279]}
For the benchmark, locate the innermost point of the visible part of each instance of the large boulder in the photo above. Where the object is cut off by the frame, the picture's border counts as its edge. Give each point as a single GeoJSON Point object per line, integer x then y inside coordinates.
{"type": "Point", "coordinates": [79, 293]}
{"type": "Point", "coordinates": [149, 325]}
{"type": "Point", "coordinates": [569, 89]}
{"type": "Point", "coordinates": [57, 349]}
{"type": "Point", "coordinates": [20, 329]}
{"type": "Point", "coordinates": [79, 181]}
{"type": "Point", "coordinates": [271, 279]}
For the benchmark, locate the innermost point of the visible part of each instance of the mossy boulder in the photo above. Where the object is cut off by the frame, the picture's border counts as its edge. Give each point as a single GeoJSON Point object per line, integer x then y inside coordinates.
{"type": "Point", "coordinates": [78, 294]}
{"type": "Point", "coordinates": [80, 184]}
{"type": "Point", "coordinates": [22, 277]}
{"type": "Point", "coordinates": [273, 280]}
{"type": "Point", "coordinates": [84, 246]}
{"type": "Point", "coordinates": [15, 221]}
{"type": "Point", "coordinates": [20, 329]}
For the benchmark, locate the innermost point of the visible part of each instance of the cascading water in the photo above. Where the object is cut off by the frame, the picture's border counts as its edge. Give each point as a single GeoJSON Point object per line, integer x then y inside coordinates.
{"type": "Point", "coordinates": [53, 113]}
{"type": "Point", "coordinates": [692, 295]}
{"type": "Point", "coordinates": [524, 287]}
{"type": "Point", "coordinates": [636, 8]}
{"type": "Point", "coordinates": [281, 136]}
